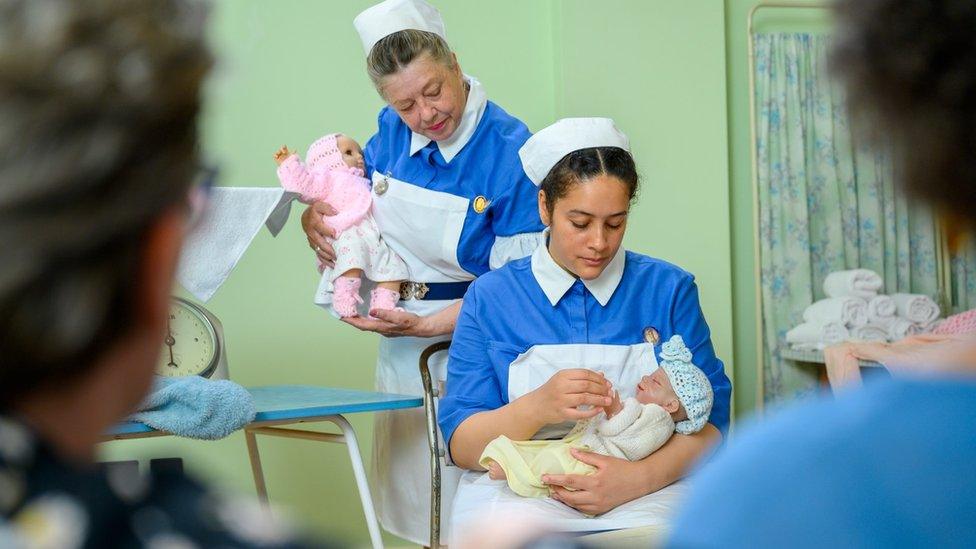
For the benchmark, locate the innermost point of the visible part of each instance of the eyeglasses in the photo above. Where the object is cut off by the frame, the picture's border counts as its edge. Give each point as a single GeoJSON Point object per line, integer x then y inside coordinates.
{"type": "Point", "coordinates": [198, 196]}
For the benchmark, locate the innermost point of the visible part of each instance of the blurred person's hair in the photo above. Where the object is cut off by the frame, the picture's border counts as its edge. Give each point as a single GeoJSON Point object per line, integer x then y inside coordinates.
{"type": "Point", "coordinates": [909, 67]}
{"type": "Point", "coordinates": [98, 137]}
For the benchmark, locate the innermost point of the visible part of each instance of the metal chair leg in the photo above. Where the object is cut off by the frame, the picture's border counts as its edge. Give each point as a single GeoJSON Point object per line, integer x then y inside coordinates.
{"type": "Point", "coordinates": [256, 470]}
{"type": "Point", "coordinates": [348, 437]}
{"type": "Point", "coordinates": [359, 471]}
{"type": "Point", "coordinates": [430, 409]}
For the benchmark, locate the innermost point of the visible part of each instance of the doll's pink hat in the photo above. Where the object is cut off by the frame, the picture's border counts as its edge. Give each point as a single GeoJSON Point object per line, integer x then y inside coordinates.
{"type": "Point", "coordinates": [324, 153]}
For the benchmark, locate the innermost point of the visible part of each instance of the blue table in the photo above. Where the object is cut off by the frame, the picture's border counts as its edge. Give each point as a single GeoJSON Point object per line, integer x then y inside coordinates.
{"type": "Point", "coordinates": [279, 405]}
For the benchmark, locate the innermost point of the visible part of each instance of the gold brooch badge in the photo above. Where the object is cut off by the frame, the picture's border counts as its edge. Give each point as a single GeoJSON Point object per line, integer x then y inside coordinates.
{"type": "Point", "coordinates": [481, 204]}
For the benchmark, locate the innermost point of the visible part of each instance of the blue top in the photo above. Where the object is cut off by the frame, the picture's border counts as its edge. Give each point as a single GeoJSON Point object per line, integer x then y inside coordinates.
{"type": "Point", "coordinates": [507, 311]}
{"type": "Point", "coordinates": [488, 165]}
{"type": "Point", "coordinates": [890, 465]}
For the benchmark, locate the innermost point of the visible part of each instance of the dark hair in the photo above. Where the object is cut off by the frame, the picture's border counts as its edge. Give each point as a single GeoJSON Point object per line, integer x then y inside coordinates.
{"type": "Point", "coordinates": [586, 164]}
{"type": "Point", "coordinates": [910, 70]}
{"type": "Point", "coordinates": [98, 136]}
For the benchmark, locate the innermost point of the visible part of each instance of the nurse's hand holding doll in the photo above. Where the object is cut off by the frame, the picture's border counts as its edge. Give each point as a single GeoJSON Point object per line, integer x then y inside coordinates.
{"type": "Point", "coordinates": [543, 336]}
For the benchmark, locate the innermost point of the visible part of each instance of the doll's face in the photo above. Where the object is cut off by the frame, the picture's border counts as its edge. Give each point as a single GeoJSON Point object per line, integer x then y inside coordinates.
{"type": "Point", "coordinates": [352, 153]}
{"type": "Point", "coordinates": [656, 389]}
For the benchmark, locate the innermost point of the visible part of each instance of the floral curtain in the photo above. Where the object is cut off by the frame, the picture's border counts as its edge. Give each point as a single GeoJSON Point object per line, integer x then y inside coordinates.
{"type": "Point", "coordinates": [826, 202]}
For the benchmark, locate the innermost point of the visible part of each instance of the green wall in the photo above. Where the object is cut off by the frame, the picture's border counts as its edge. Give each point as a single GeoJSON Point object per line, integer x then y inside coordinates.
{"type": "Point", "coordinates": [671, 72]}
{"type": "Point", "coordinates": [658, 69]}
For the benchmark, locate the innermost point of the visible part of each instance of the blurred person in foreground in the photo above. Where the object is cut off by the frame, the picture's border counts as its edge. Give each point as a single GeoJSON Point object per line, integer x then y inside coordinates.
{"type": "Point", "coordinates": [98, 149]}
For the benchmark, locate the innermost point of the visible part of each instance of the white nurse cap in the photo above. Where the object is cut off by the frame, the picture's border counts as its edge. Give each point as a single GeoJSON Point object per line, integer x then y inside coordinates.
{"type": "Point", "coordinates": [547, 147]}
{"type": "Point", "coordinates": [379, 21]}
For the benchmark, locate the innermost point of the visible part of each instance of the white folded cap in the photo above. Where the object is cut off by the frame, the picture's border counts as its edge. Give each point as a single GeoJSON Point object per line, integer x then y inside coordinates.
{"type": "Point", "coordinates": [547, 147]}
{"type": "Point", "coordinates": [383, 19]}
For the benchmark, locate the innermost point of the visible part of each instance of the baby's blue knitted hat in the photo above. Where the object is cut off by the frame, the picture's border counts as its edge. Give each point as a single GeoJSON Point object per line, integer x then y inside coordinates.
{"type": "Point", "coordinates": [689, 383]}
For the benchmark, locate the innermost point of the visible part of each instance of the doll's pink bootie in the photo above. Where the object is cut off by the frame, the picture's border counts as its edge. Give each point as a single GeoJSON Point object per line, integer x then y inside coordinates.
{"type": "Point", "coordinates": [345, 296]}
{"type": "Point", "coordinates": [381, 298]}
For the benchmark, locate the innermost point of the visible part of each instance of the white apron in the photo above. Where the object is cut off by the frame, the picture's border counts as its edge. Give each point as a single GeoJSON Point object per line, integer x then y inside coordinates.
{"type": "Point", "coordinates": [480, 499]}
{"type": "Point", "coordinates": [424, 228]}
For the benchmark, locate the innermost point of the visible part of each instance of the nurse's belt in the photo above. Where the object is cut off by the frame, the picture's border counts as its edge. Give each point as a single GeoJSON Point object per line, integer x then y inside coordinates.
{"type": "Point", "coordinates": [547, 147]}
{"type": "Point", "coordinates": [379, 21]}
{"type": "Point", "coordinates": [232, 220]}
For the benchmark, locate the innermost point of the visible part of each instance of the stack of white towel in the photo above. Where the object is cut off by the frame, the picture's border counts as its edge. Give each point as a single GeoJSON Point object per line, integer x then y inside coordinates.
{"type": "Point", "coordinates": [854, 310]}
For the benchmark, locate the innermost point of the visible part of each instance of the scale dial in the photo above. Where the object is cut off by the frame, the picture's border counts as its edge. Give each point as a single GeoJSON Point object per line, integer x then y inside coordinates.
{"type": "Point", "coordinates": [191, 347]}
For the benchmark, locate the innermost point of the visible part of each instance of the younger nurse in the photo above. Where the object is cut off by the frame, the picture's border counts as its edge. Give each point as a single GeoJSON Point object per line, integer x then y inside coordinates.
{"type": "Point", "coordinates": [546, 334]}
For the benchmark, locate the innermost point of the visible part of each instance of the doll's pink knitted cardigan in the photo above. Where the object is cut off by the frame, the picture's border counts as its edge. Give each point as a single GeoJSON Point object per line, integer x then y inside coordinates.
{"type": "Point", "coordinates": [327, 178]}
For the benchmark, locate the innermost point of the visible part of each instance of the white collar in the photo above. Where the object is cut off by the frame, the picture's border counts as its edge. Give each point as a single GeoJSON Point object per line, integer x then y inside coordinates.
{"type": "Point", "coordinates": [555, 281]}
{"type": "Point", "coordinates": [473, 109]}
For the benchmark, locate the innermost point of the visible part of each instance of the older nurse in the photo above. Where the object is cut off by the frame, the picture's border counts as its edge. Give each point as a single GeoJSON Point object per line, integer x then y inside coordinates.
{"type": "Point", "coordinates": [451, 198]}
{"type": "Point", "coordinates": [539, 342]}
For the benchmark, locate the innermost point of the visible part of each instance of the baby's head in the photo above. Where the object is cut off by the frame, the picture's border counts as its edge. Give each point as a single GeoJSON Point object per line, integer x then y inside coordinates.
{"type": "Point", "coordinates": [335, 151]}
{"type": "Point", "coordinates": [678, 386]}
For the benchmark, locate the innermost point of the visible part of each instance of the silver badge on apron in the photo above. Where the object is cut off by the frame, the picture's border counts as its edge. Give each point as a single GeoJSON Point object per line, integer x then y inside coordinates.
{"type": "Point", "coordinates": [382, 185]}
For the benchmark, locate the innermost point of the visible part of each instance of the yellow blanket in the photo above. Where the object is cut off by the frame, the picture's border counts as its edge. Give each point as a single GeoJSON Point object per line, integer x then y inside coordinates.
{"type": "Point", "coordinates": [524, 462]}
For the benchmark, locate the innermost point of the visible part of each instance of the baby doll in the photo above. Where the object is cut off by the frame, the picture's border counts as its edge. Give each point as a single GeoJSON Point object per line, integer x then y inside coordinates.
{"type": "Point", "coordinates": [677, 396]}
{"type": "Point", "coordinates": [334, 174]}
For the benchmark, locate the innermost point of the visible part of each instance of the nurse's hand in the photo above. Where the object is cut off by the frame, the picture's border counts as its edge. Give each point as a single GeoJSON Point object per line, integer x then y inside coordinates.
{"type": "Point", "coordinates": [392, 324]}
{"type": "Point", "coordinates": [559, 399]}
{"type": "Point", "coordinates": [611, 485]}
{"type": "Point", "coordinates": [319, 234]}
{"type": "Point", "coordinates": [398, 323]}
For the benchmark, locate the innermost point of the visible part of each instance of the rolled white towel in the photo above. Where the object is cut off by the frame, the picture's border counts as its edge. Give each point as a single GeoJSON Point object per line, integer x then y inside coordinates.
{"type": "Point", "coordinates": [808, 346]}
{"type": "Point", "coordinates": [849, 311]}
{"type": "Point", "coordinates": [897, 327]}
{"type": "Point", "coordinates": [869, 332]}
{"type": "Point", "coordinates": [881, 306]}
{"type": "Point", "coordinates": [917, 308]}
{"type": "Point", "coordinates": [862, 283]}
{"type": "Point", "coordinates": [901, 328]}
{"type": "Point", "coordinates": [929, 327]}
{"type": "Point", "coordinates": [817, 334]}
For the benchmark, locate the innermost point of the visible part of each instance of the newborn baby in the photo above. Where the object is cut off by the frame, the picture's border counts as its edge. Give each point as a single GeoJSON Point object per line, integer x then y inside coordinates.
{"type": "Point", "coordinates": [677, 396]}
